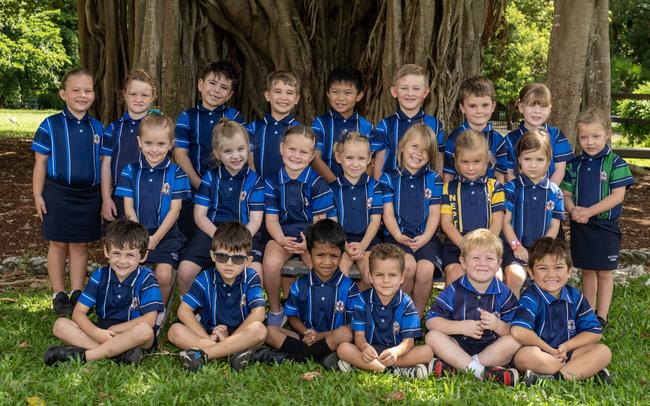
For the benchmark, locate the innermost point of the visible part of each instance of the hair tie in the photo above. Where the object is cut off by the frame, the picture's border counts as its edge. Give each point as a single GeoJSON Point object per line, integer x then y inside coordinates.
{"type": "Point", "coordinates": [154, 112]}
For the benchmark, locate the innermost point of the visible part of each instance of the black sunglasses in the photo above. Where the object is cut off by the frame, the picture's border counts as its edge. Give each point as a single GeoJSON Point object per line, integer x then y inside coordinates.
{"type": "Point", "coordinates": [223, 258]}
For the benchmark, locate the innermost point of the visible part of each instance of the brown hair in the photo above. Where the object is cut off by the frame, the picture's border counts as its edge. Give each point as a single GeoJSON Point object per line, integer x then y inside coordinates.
{"type": "Point", "coordinates": [141, 76]}
{"type": "Point", "coordinates": [282, 76]}
{"type": "Point", "coordinates": [126, 234]}
{"type": "Point", "coordinates": [232, 236]}
{"type": "Point", "coordinates": [227, 129]}
{"type": "Point", "coordinates": [382, 252]}
{"type": "Point", "coordinates": [470, 140]}
{"type": "Point", "coordinates": [410, 69]}
{"type": "Point", "coordinates": [533, 140]}
{"type": "Point", "coordinates": [534, 93]}
{"type": "Point", "coordinates": [157, 120]}
{"type": "Point", "coordinates": [351, 136]}
{"type": "Point", "coordinates": [430, 143]}
{"type": "Point", "coordinates": [480, 238]}
{"type": "Point", "coordinates": [549, 246]}
{"type": "Point", "coordinates": [301, 130]}
{"type": "Point", "coordinates": [476, 86]}
{"type": "Point", "coordinates": [594, 115]}
{"type": "Point", "coordinates": [224, 69]}
{"type": "Point", "coordinates": [74, 72]}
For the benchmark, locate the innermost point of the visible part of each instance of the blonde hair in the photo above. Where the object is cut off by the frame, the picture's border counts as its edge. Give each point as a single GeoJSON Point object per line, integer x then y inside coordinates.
{"type": "Point", "coordinates": [141, 76]}
{"type": "Point", "coordinates": [383, 252]}
{"type": "Point", "coordinates": [481, 238]}
{"type": "Point", "coordinates": [351, 136]}
{"type": "Point", "coordinates": [410, 69]}
{"type": "Point", "coordinates": [535, 93]}
{"type": "Point", "coordinates": [472, 141]}
{"type": "Point", "coordinates": [282, 76]}
{"type": "Point", "coordinates": [302, 131]}
{"type": "Point", "coordinates": [75, 72]}
{"type": "Point", "coordinates": [594, 115]}
{"type": "Point", "coordinates": [157, 121]}
{"type": "Point", "coordinates": [427, 136]}
{"type": "Point", "coordinates": [534, 140]}
{"type": "Point", "coordinates": [227, 129]}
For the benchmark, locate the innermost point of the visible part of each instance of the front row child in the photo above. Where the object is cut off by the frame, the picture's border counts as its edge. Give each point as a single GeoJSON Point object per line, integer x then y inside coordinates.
{"type": "Point", "coordinates": [126, 299]}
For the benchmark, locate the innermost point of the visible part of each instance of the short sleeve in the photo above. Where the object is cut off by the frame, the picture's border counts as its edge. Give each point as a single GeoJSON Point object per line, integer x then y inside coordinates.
{"type": "Point", "coordinates": [107, 140]}
{"type": "Point", "coordinates": [558, 205]}
{"type": "Point", "coordinates": [378, 140]}
{"type": "Point", "coordinates": [291, 305]}
{"type": "Point", "coordinates": [89, 295]}
{"type": "Point", "coordinates": [443, 306]}
{"type": "Point", "coordinates": [194, 298]}
{"type": "Point", "coordinates": [450, 145]}
{"type": "Point", "coordinates": [586, 318]}
{"type": "Point", "coordinates": [569, 182]}
{"type": "Point", "coordinates": [182, 131]}
{"type": "Point", "coordinates": [254, 294]}
{"type": "Point", "coordinates": [526, 314]}
{"type": "Point", "coordinates": [321, 197]}
{"type": "Point", "coordinates": [621, 174]}
{"type": "Point", "coordinates": [318, 129]}
{"type": "Point", "coordinates": [42, 142]}
{"type": "Point", "coordinates": [256, 197]}
{"type": "Point", "coordinates": [561, 148]}
{"type": "Point", "coordinates": [509, 307]}
{"type": "Point", "coordinates": [271, 198]}
{"type": "Point", "coordinates": [359, 314]}
{"type": "Point", "coordinates": [386, 187]}
{"type": "Point", "coordinates": [203, 195]}
{"type": "Point", "coordinates": [436, 127]}
{"type": "Point", "coordinates": [510, 196]}
{"type": "Point", "coordinates": [353, 294]}
{"type": "Point", "coordinates": [497, 200]}
{"type": "Point", "coordinates": [150, 295]}
{"type": "Point", "coordinates": [446, 201]}
{"type": "Point", "coordinates": [434, 185]}
{"type": "Point", "coordinates": [410, 325]}
{"type": "Point", "coordinates": [125, 183]}
{"type": "Point", "coordinates": [500, 153]}
{"type": "Point", "coordinates": [235, 115]}
{"type": "Point", "coordinates": [377, 204]}
{"type": "Point", "coordinates": [181, 188]}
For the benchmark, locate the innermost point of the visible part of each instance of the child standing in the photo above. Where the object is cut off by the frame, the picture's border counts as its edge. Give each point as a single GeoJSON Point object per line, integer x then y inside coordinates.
{"type": "Point", "coordinates": [412, 195]}
{"type": "Point", "coordinates": [594, 188]}
{"type": "Point", "coordinates": [120, 143]}
{"type": "Point", "coordinates": [66, 185]}
{"type": "Point", "coordinates": [469, 202]}
{"type": "Point", "coordinates": [534, 206]}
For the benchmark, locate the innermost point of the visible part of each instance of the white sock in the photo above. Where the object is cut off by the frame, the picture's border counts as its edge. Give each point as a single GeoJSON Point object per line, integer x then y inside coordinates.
{"type": "Point", "coordinates": [476, 367]}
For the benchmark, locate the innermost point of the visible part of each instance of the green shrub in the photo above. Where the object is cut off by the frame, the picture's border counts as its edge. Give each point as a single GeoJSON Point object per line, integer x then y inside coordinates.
{"type": "Point", "coordinates": [640, 109]}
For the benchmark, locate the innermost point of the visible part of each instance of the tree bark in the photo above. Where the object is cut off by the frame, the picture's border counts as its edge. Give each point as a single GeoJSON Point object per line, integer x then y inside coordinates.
{"type": "Point", "coordinates": [597, 87]}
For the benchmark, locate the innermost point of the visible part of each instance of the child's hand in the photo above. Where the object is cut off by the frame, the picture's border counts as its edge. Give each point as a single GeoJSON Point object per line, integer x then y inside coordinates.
{"type": "Point", "coordinates": [488, 320]}
{"type": "Point", "coordinates": [580, 215]}
{"type": "Point", "coordinates": [109, 211]}
{"type": "Point", "coordinates": [369, 354]}
{"type": "Point", "coordinates": [406, 240]}
{"type": "Point", "coordinates": [101, 335]}
{"type": "Point", "coordinates": [288, 243]}
{"type": "Point", "coordinates": [388, 357]}
{"type": "Point", "coordinates": [521, 253]}
{"type": "Point", "coordinates": [349, 249]}
{"type": "Point", "coordinates": [40, 206]}
{"type": "Point", "coordinates": [472, 328]}
{"type": "Point", "coordinates": [153, 243]}
{"type": "Point", "coordinates": [219, 333]}
{"type": "Point", "coordinates": [358, 249]}
{"type": "Point", "coordinates": [561, 352]}
{"type": "Point", "coordinates": [417, 242]}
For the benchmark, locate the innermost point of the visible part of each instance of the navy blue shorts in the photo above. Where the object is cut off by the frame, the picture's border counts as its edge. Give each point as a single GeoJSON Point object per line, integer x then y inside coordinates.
{"type": "Point", "coordinates": [471, 347]}
{"type": "Point", "coordinates": [73, 213]}
{"type": "Point", "coordinates": [358, 237]}
{"type": "Point", "coordinates": [186, 218]}
{"type": "Point", "coordinates": [596, 245]}
{"type": "Point", "coordinates": [294, 230]}
{"type": "Point", "coordinates": [509, 256]}
{"type": "Point", "coordinates": [450, 253]}
{"type": "Point", "coordinates": [119, 205]}
{"type": "Point", "coordinates": [169, 248]}
{"type": "Point", "coordinates": [430, 251]}
{"type": "Point", "coordinates": [198, 248]}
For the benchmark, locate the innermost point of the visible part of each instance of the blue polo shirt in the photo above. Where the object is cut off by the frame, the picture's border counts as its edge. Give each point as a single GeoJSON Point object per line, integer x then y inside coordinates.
{"type": "Point", "coordinates": [391, 129]}
{"type": "Point", "coordinates": [471, 203]}
{"type": "Point", "coordinates": [72, 147]}
{"type": "Point", "coordinates": [556, 320]}
{"type": "Point", "coordinates": [297, 201]}
{"type": "Point", "coordinates": [221, 303]}
{"type": "Point", "coordinates": [153, 189]}
{"type": "Point", "coordinates": [461, 301]}
{"type": "Point", "coordinates": [120, 142]}
{"type": "Point", "coordinates": [533, 207]}
{"type": "Point", "coordinates": [135, 296]}
{"type": "Point", "coordinates": [411, 195]}
{"type": "Point", "coordinates": [230, 197]}
{"type": "Point", "coordinates": [591, 178]}
{"type": "Point", "coordinates": [328, 129]}
{"type": "Point", "coordinates": [356, 203]}
{"type": "Point", "coordinates": [194, 133]}
{"type": "Point", "coordinates": [496, 144]}
{"type": "Point", "coordinates": [560, 146]}
{"type": "Point", "coordinates": [265, 136]}
{"type": "Point", "coordinates": [385, 325]}
{"type": "Point", "coordinates": [322, 305]}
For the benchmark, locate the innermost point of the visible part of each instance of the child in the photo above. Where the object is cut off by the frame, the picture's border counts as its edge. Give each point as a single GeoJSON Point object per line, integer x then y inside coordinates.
{"type": "Point", "coordinates": [229, 297]}
{"type": "Point", "coordinates": [153, 189]}
{"type": "Point", "coordinates": [555, 324]}
{"type": "Point", "coordinates": [410, 88]}
{"type": "Point", "coordinates": [477, 104]}
{"type": "Point", "coordinates": [66, 185]}
{"type": "Point", "coordinates": [319, 306]}
{"type": "Point", "coordinates": [534, 206]}
{"type": "Point", "coordinates": [295, 197]}
{"type": "Point", "coordinates": [126, 299]}
{"type": "Point", "coordinates": [412, 195]}
{"type": "Point", "coordinates": [468, 323]}
{"type": "Point", "coordinates": [119, 142]}
{"type": "Point", "coordinates": [358, 203]}
{"type": "Point", "coordinates": [594, 187]}
{"type": "Point", "coordinates": [471, 201]}
{"type": "Point", "coordinates": [283, 93]}
{"type": "Point", "coordinates": [229, 192]}
{"type": "Point", "coordinates": [385, 322]}
{"type": "Point", "coordinates": [344, 90]}
{"type": "Point", "coordinates": [535, 105]}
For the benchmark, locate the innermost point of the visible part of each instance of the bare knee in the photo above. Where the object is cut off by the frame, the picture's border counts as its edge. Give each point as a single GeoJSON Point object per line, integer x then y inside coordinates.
{"type": "Point", "coordinates": [257, 331]}
{"type": "Point", "coordinates": [143, 332]}
{"type": "Point", "coordinates": [174, 331]}
{"type": "Point", "coordinates": [424, 272]}
{"type": "Point", "coordinates": [164, 275]}
{"type": "Point", "coordinates": [343, 334]}
{"type": "Point", "coordinates": [60, 326]}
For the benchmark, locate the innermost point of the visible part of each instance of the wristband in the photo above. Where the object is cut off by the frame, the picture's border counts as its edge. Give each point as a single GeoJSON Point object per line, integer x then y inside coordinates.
{"type": "Point", "coordinates": [515, 244]}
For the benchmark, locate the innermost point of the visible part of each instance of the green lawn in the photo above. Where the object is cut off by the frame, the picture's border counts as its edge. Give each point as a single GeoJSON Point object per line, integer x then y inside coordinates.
{"type": "Point", "coordinates": [21, 123]}
{"type": "Point", "coordinates": [25, 334]}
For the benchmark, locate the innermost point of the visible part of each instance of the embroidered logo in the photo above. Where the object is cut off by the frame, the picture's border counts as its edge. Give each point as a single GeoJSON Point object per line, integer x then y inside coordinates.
{"type": "Point", "coordinates": [339, 307]}
{"type": "Point", "coordinates": [603, 176]}
{"type": "Point", "coordinates": [243, 195]}
{"type": "Point", "coordinates": [369, 202]}
{"type": "Point", "coordinates": [550, 205]}
{"type": "Point", "coordinates": [97, 139]}
{"type": "Point", "coordinates": [165, 188]}
{"type": "Point", "coordinates": [135, 303]}
{"type": "Point", "coordinates": [396, 327]}
{"type": "Point", "coordinates": [571, 326]}
{"type": "Point", "coordinates": [242, 302]}
{"type": "Point", "coordinates": [427, 193]}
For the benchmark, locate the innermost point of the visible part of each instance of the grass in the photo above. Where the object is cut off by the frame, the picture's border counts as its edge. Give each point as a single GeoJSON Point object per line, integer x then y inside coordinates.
{"type": "Point", "coordinates": [619, 141]}
{"type": "Point", "coordinates": [21, 123]}
{"type": "Point", "coordinates": [25, 334]}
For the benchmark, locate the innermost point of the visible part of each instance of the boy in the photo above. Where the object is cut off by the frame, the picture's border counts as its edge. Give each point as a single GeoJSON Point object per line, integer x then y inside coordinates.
{"type": "Point", "coordinates": [344, 90]}
{"type": "Point", "coordinates": [477, 104]}
{"type": "Point", "coordinates": [468, 323]}
{"type": "Point", "coordinates": [410, 88]}
{"type": "Point", "coordinates": [231, 302]}
{"type": "Point", "coordinates": [385, 322]}
{"type": "Point", "coordinates": [555, 323]}
{"type": "Point", "coordinates": [126, 298]}
{"type": "Point", "coordinates": [319, 306]}
{"type": "Point", "coordinates": [283, 93]}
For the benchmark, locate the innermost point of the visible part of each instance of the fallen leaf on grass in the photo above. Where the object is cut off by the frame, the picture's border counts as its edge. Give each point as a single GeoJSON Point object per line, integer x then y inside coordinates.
{"type": "Point", "coordinates": [644, 334]}
{"type": "Point", "coordinates": [35, 401]}
{"type": "Point", "coordinates": [8, 300]}
{"type": "Point", "coordinates": [309, 376]}
{"type": "Point", "coordinates": [643, 382]}
{"type": "Point", "coordinates": [24, 344]}
{"type": "Point", "coordinates": [397, 395]}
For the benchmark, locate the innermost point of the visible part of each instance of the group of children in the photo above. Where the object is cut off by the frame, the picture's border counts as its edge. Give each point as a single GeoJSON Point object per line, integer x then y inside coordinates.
{"type": "Point", "coordinates": [262, 194]}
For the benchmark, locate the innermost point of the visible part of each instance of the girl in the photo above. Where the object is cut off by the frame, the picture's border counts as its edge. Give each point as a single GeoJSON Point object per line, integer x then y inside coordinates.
{"type": "Point", "coordinates": [153, 189]}
{"type": "Point", "coordinates": [412, 197]}
{"type": "Point", "coordinates": [594, 188]}
{"type": "Point", "coordinates": [66, 186]}
{"type": "Point", "coordinates": [471, 201]}
{"type": "Point", "coordinates": [534, 104]}
{"type": "Point", "coordinates": [119, 142]}
{"type": "Point", "coordinates": [358, 203]}
{"type": "Point", "coordinates": [534, 206]}
{"type": "Point", "coordinates": [231, 191]}
{"type": "Point", "coordinates": [295, 197]}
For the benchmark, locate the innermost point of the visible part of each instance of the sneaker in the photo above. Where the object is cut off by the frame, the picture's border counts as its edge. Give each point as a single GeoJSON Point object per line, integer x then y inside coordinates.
{"type": "Point", "coordinates": [532, 378]}
{"type": "Point", "coordinates": [603, 377]}
{"type": "Point", "coordinates": [129, 357]}
{"type": "Point", "coordinates": [418, 371]}
{"type": "Point", "coordinates": [193, 359]}
{"type": "Point", "coordinates": [241, 360]}
{"type": "Point", "coordinates": [505, 376]}
{"type": "Point", "coordinates": [61, 304]}
{"type": "Point", "coordinates": [343, 366]}
{"type": "Point", "coordinates": [60, 353]}
{"type": "Point", "coordinates": [276, 319]}
{"type": "Point", "coordinates": [438, 367]}
{"type": "Point", "coordinates": [330, 361]}
{"type": "Point", "coordinates": [603, 323]}
{"type": "Point", "coordinates": [74, 297]}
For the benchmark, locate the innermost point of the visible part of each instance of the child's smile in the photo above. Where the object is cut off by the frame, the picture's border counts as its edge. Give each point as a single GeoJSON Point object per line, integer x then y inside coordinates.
{"type": "Point", "coordinates": [551, 273]}
{"type": "Point", "coordinates": [155, 146]}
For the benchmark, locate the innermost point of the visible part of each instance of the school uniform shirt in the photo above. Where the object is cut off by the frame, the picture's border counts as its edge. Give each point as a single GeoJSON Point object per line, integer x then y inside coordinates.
{"type": "Point", "coordinates": [221, 303]}
{"type": "Point", "coordinates": [411, 195]}
{"type": "Point", "coordinates": [461, 301]}
{"type": "Point", "coordinates": [265, 137]}
{"type": "Point", "coordinates": [72, 147]}
{"type": "Point", "coordinates": [322, 305]}
{"type": "Point", "coordinates": [120, 142]}
{"type": "Point", "coordinates": [230, 197]}
{"type": "Point", "coordinates": [391, 129]}
{"type": "Point", "coordinates": [136, 295]}
{"type": "Point", "coordinates": [356, 203]}
{"type": "Point", "coordinates": [556, 320]}
{"type": "Point", "coordinates": [153, 189]}
{"type": "Point", "coordinates": [471, 203]}
{"type": "Point", "coordinates": [330, 127]}
{"type": "Point", "coordinates": [591, 178]}
{"type": "Point", "coordinates": [533, 207]}
{"type": "Point", "coordinates": [559, 144]}
{"type": "Point", "coordinates": [496, 144]}
{"type": "Point", "coordinates": [194, 133]}
{"type": "Point", "coordinates": [385, 325]}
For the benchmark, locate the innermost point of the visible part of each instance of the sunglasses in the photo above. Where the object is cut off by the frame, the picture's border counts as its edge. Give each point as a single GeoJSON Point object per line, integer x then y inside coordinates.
{"type": "Point", "coordinates": [223, 258]}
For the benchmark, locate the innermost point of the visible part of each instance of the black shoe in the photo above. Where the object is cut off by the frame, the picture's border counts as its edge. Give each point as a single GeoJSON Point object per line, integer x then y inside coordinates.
{"type": "Point", "coordinates": [438, 367]}
{"type": "Point", "coordinates": [603, 377]}
{"type": "Point", "coordinates": [603, 322]}
{"type": "Point", "coordinates": [61, 304]}
{"type": "Point", "coordinates": [505, 376]}
{"type": "Point", "coordinates": [330, 361]}
{"type": "Point", "coordinates": [532, 378]}
{"type": "Point", "coordinates": [129, 357]}
{"type": "Point", "coordinates": [74, 297]}
{"type": "Point", "coordinates": [60, 353]}
{"type": "Point", "coordinates": [240, 360]}
{"type": "Point", "coordinates": [193, 359]}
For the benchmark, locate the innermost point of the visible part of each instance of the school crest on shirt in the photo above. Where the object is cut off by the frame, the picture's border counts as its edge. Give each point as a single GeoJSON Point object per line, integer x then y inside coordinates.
{"type": "Point", "coordinates": [306, 202]}
{"type": "Point", "coordinates": [369, 202]}
{"type": "Point", "coordinates": [135, 303]}
{"type": "Point", "coordinates": [396, 327]}
{"type": "Point", "coordinates": [427, 193]}
{"type": "Point", "coordinates": [603, 176]}
{"type": "Point", "coordinates": [96, 139]}
{"type": "Point", "coordinates": [242, 195]}
{"type": "Point", "coordinates": [339, 307]}
{"type": "Point", "coordinates": [571, 326]}
{"type": "Point", "coordinates": [242, 301]}
{"type": "Point", "coordinates": [166, 188]}
{"type": "Point", "coordinates": [550, 205]}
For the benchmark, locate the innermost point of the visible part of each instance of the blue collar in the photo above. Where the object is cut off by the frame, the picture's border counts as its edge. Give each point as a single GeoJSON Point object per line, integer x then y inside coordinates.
{"type": "Point", "coordinates": [599, 155]}
{"type": "Point", "coordinates": [129, 280]}
{"type": "Point", "coordinates": [344, 182]}
{"type": "Point", "coordinates": [488, 128]}
{"type": "Point", "coordinates": [127, 117]}
{"type": "Point", "coordinates": [548, 298]}
{"type": "Point", "coordinates": [337, 116]}
{"type": "Point", "coordinates": [524, 130]}
{"type": "Point", "coordinates": [302, 178]}
{"type": "Point", "coordinates": [223, 172]}
{"type": "Point", "coordinates": [68, 114]}
{"type": "Point", "coordinates": [162, 165]}
{"type": "Point", "coordinates": [420, 172]}
{"type": "Point", "coordinates": [334, 280]}
{"type": "Point", "coordinates": [286, 120]}
{"type": "Point", "coordinates": [545, 183]}
{"type": "Point", "coordinates": [402, 116]}
{"type": "Point", "coordinates": [492, 289]}
{"type": "Point", "coordinates": [394, 302]}
{"type": "Point", "coordinates": [483, 179]}
{"type": "Point", "coordinates": [218, 109]}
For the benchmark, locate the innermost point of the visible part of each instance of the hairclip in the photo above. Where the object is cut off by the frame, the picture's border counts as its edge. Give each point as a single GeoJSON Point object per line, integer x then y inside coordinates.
{"type": "Point", "coordinates": [346, 134]}
{"type": "Point", "coordinates": [154, 112]}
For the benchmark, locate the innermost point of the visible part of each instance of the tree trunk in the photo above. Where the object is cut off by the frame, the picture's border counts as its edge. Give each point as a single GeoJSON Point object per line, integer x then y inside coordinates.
{"type": "Point", "coordinates": [597, 87]}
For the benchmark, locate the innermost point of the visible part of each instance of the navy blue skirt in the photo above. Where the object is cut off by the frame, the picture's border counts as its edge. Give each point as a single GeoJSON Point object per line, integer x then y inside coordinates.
{"type": "Point", "coordinates": [596, 245]}
{"type": "Point", "coordinates": [73, 213]}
